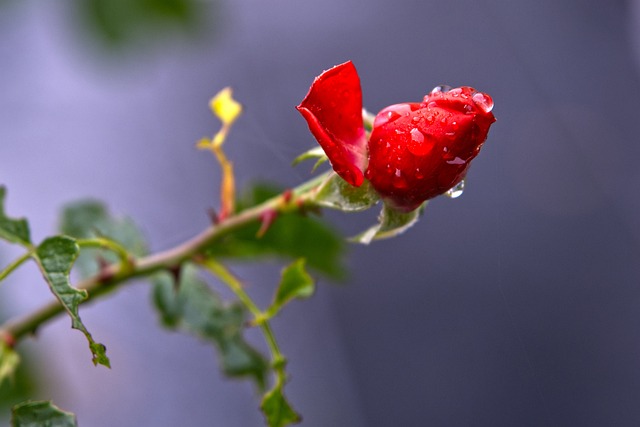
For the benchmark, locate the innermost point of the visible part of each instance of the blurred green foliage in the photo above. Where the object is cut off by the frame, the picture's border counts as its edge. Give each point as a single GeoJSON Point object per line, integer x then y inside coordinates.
{"type": "Point", "coordinates": [291, 236]}
{"type": "Point", "coordinates": [120, 23]}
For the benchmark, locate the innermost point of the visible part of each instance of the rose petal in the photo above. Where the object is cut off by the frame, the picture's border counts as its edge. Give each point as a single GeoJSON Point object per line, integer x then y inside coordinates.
{"type": "Point", "coordinates": [333, 111]}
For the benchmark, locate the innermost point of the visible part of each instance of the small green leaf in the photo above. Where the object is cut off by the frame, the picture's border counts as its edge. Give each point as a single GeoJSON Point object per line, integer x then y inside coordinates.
{"type": "Point", "coordinates": [294, 283]}
{"type": "Point", "coordinates": [41, 414]}
{"type": "Point", "coordinates": [336, 193]}
{"type": "Point", "coordinates": [315, 153]}
{"type": "Point", "coordinates": [391, 224]}
{"type": "Point", "coordinates": [291, 236]}
{"type": "Point", "coordinates": [194, 307]}
{"type": "Point", "coordinates": [9, 361]}
{"type": "Point", "coordinates": [89, 219]}
{"type": "Point", "coordinates": [13, 230]}
{"type": "Point", "coordinates": [277, 409]}
{"type": "Point", "coordinates": [55, 257]}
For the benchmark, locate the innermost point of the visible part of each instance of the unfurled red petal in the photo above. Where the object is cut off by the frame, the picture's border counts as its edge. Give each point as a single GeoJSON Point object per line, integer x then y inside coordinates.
{"type": "Point", "coordinates": [419, 151]}
{"type": "Point", "coordinates": [333, 111]}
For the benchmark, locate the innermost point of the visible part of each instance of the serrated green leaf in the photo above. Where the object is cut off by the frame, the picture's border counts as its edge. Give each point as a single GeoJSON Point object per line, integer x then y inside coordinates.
{"type": "Point", "coordinates": [41, 414]}
{"type": "Point", "coordinates": [295, 282]}
{"type": "Point", "coordinates": [291, 236]}
{"type": "Point", "coordinates": [194, 307]}
{"type": "Point", "coordinates": [336, 193]}
{"type": "Point", "coordinates": [13, 230]}
{"type": "Point", "coordinates": [277, 410]}
{"type": "Point", "coordinates": [55, 257]}
{"type": "Point", "coordinates": [89, 219]}
{"type": "Point", "coordinates": [391, 223]}
{"type": "Point", "coordinates": [9, 361]}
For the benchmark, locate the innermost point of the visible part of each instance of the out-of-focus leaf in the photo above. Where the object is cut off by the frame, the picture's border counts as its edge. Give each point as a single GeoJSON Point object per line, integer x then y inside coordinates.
{"type": "Point", "coordinates": [13, 230]}
{"type": "Point", "coordinates": [41, 414]}
{"type": "Point", "coordinates": [89, 219]}
{"type": "Point", "coordinates": [17, 378]}
{"type": "Point", "coordinates": [128, 22]}
{"type": "Point", "coordinates": [9, 361]}
{"type": "Point", "coordinates": [294, 283]}
{"type": "Point", "coordinates": [277, 409]}
{"type": "Point", "coordinates": [192, 306]}
{"type": "Point", "coordinates": [292, 236]}
{"type": "Point", "coordinates": [336, 193]}
{"type": "Point", "coordinates": [225, 107]}
{"type": "Point", "coordinates": [391, 224]}
{"type": "Point", "coordinates": [55, 257]}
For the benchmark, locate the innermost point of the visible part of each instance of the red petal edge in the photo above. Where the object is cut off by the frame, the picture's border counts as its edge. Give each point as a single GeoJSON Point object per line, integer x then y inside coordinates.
{"type": "Point", "coordinates": [333, 111]}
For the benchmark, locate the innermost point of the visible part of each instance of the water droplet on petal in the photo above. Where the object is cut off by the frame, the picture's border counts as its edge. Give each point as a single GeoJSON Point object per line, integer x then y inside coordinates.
{"type": "Point", "coordinates": [483, 101]}
{"type": "Point", "coordinates": [441, 88]}
{"type": "Point", "coordinates": [398, 181]}
{"type": "Point", "coordinates": [417, 136]}
{"type": "Point", "coordinates": [418, 146]}
{"type": "Point", "coordinates": [455, 191]}
{"type": "Point", "coordinates": [456, 161]}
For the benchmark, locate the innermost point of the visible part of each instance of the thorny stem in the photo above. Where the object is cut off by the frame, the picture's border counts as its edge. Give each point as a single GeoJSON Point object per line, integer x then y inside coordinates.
{"type": "Point", "coordinates": [126, 261]}
{"type": "Point", "coordinates": [113, 276]}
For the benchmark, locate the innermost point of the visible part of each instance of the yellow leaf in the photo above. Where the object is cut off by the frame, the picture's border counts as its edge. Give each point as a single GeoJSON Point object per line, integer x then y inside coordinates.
{"type": "Point", "coordinates": [225, 107]}
{"type": "Point", "coordinates": [204, 144]}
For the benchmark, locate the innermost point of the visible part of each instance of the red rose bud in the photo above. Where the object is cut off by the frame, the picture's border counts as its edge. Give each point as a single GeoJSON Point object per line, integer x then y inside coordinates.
{"type": "Point", "coordinates": [419, 151]}
{"type": "Point", "coordinates": [416, 150]}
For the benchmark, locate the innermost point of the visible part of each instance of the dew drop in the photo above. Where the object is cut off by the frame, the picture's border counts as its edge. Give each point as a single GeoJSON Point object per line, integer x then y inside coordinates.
{"type": "Point", "coordinates": [418, 146]}
{"type": "Point", "coordinates": [441, 88]}
{"type": "Point", "coordinates": [455, 191]}
{"type": "Point", "coordinates": [483, 101]}
{"type": "Point", "coordinates": [398, 181]}
{"type": "Point", "coordinates": [417, 136]}
{"type": "Point", "coordinates": [456, 161]}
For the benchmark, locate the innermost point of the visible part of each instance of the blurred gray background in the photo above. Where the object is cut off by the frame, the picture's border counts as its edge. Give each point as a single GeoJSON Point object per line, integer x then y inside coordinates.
{"type": "Point", "coordinates": [517, 304]}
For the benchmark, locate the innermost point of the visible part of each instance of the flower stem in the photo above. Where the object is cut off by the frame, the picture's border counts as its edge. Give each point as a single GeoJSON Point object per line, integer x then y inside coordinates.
{"type": "Point", "coordinates": [118, 274]}
{"type": "Point", "coordinates": [14, 265]}
{"type": "Point", "coordinates": [221, 272]}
